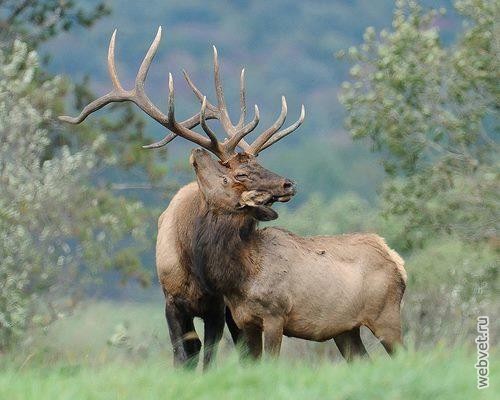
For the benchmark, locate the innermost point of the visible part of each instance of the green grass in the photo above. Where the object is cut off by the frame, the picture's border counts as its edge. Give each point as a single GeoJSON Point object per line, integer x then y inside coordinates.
{"type": "Point", "coordinates": [84, 335]}
{"type": "Point", "coordinates": [73, 360]}
{"type": "Point", "coordinates": [411, 375]}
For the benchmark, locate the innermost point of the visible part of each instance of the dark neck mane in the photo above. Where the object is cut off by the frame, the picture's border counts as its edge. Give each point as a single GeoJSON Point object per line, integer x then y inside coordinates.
{"type": "Point", "coordinates": [220, 246]}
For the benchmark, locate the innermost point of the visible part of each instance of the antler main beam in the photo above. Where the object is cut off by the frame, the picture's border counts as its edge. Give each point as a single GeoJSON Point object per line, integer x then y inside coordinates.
{"type": "Point", "coordinates": [235, 133]}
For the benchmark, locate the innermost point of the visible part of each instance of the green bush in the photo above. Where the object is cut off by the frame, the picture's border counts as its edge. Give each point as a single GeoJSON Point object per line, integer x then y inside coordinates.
{"type": "Point", "coordinates": [431, 111]}
{"type": "Point", "coordinates": [450, 284]}
{"type": "Point", "coordinates": [58, 231]}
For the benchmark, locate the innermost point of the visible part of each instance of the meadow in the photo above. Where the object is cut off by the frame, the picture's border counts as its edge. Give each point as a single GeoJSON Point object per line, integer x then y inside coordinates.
{"type": "Point", "coordinates": [110, 350]}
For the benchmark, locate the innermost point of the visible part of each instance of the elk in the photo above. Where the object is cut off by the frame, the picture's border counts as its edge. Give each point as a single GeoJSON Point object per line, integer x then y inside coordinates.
{"type": "Point", "coordinates": [274, 282]}
{"type": "Point", "coordinates": [210, 250]}
{"type": "Point", "coordinates": [186, 295]}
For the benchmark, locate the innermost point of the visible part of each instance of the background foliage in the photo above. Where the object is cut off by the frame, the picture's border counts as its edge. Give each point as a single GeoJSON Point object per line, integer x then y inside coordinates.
{"type": "Point", "coordinates": [56, 226]}
{"type": "Point", "coordinates": [77, 204]}
{"type": "Point", "coordinates": [432, 112]}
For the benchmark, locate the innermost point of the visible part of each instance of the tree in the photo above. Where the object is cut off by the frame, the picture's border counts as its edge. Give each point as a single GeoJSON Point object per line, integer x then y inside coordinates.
{"type": "Point", "coordinates": [432, 112]}
{"type": "Point", "coordinates": [35, 21]}
{"type": "Point", "coordinates": [64, 218]}
{"type": "Point", "coordinates": [120, 163]}
{"type": "Point", "coordinates": [58, 229]}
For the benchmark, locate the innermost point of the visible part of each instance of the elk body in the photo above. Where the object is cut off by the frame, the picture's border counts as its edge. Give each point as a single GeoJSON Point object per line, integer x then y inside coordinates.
{"type": "Point", "coordinates": [187, 295]}
{"type": "Point", "coordinates": [276, 283]}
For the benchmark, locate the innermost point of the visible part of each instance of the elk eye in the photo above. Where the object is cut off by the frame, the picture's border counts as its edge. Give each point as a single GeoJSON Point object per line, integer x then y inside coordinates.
{"type": "Point", "coordinates": [241, 176]}
{"type": "Point", "coordinates": [224, 180]}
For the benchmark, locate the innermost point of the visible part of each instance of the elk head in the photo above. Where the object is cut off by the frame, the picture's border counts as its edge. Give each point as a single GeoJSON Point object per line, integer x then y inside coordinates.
{"type": "Point", "coordinates": [249, 185]}
{"type": "Point", "coordinates": [240, 185]}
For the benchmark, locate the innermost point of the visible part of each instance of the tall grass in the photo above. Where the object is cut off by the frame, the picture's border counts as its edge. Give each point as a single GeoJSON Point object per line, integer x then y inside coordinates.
{"type": "Point", "coordinates": [121, 351]}
{"type": "Point", "coordinates": [410, 375]}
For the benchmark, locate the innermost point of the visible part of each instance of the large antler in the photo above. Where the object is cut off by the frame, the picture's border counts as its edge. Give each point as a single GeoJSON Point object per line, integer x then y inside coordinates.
{"type": "Point", "coordinates": [235, 133]}
{"type": "Point", "coordinates": [238, 131]}
{"type": "Point", "coordinates": [138, 96]}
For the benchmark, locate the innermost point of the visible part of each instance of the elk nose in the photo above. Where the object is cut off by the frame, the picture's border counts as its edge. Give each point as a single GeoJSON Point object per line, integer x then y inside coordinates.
{"type": "Point", "coordinates": [289, 185]}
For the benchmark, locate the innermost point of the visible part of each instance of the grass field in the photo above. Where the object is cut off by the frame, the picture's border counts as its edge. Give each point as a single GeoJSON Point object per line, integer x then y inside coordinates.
{"type": "Point", "coordinates": [73, 360]}
{"type": "Point", "coordinates": [409, 376]}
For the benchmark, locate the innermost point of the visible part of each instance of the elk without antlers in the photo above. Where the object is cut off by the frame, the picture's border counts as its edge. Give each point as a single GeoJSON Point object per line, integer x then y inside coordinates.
{"type": "Point", "coordinates": [235, 133]}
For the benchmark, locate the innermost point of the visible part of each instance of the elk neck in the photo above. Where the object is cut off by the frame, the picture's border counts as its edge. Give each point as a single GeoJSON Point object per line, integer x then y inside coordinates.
{"type": "Point", "coordinates": [221, 245]}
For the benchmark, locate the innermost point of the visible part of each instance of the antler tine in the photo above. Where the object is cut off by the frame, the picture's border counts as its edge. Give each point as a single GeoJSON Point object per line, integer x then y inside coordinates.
{"type": "Point", "coordinates": [266, 135]}
{"type": "Point", "coordinates": [199, 94]}
{"type": "Point", "coordinates": [146, 62]}
{"type": "Point", "coordinates": [224, 116]}
{"type": "Point", "coordinates": [204, 125]}
{"type": "Point", "coordinates": [243, 103]}
{"type": "Point", "coordinates": [95, 105]}
{"type": "Point", "coordinates": [285, 132]}
{"type": "Point", "coordinates": [111, 63]}
{"type": "Point", "coordinates": [139, 96]}
{"type": "Point", "coordinates": [171, 98]}
{"type": "Point", "coordinates": [163, 142]}
{"type": "Point", "coordinates": [237, 139]}
{"type": "Point", "coordinates": [117, 94]}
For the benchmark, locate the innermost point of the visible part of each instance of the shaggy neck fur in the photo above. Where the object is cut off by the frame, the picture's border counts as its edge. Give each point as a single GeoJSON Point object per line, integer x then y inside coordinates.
{"type": "Point", "coordinates": [220, 246]}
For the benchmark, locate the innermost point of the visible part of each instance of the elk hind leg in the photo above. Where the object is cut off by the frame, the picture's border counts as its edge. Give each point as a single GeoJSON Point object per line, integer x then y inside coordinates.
{"type": "Point", "coordinates": [250, 342]}
{"type": "Point", "coordinates": [350, 345]}
{"type": "Point", "coordinates": [191, 342]}
{"type": "Point", "coordinates": [273, 335]}
{"type": "Point", "coordinates": [233, 328]}
{"type": "Point", "coordinates": [387, 328]}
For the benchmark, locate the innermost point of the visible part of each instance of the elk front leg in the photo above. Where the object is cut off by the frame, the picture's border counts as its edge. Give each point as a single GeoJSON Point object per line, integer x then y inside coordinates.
{"type": "Point", "coordinates": [185, 343]}
{"type": "Point", "coordinates": [233, 328]}
{"type": "Point", "coordinates": [273, 334]}
{"type": "Point", "coordinates": [214, 327]}
{"type": "Point", "coordinates": [250, 343]}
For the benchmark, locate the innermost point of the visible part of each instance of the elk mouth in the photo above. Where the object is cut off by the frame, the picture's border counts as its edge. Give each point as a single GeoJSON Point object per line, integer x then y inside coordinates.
{"type": "Point", "coordinates": [281, 199]}
{"type": "Point", "coordinates": [254, 198]}
{"type": "Point", "coordinates": [259, 202]}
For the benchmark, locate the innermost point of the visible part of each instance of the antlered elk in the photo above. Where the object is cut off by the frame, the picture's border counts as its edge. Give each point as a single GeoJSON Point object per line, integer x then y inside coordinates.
{"type": "Point", "coordinates": [186, 294]}
{"type": "Point", "coordinates": [276, 283]}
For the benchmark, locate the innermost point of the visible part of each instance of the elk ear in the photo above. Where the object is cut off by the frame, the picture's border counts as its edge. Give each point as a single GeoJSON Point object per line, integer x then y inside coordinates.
{"type": "Point", "coordinates": [263, 213]}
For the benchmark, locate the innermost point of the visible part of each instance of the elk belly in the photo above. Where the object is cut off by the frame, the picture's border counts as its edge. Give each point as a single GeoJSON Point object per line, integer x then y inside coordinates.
{"type": "Point", "coordinates": [327, 301]}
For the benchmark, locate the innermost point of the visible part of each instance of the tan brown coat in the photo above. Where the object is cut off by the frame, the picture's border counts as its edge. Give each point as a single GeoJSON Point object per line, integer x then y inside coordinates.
{"type": "Point", "coordinates": [319, 287]}
{"type": "Point", "coordinates": [315, 288]}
